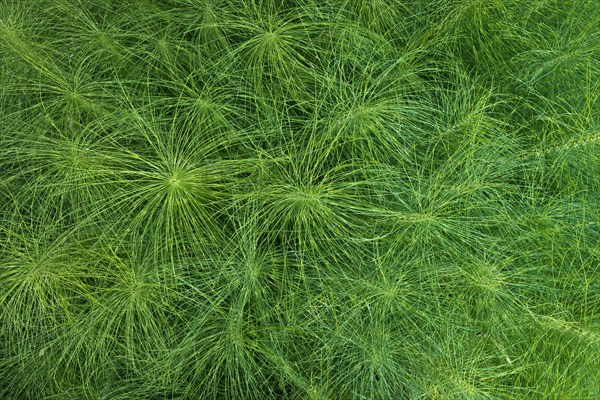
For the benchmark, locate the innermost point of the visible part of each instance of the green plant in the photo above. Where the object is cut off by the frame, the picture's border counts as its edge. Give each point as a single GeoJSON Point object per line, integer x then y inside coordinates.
{"type": "Point", "coordinates": [299, 200]}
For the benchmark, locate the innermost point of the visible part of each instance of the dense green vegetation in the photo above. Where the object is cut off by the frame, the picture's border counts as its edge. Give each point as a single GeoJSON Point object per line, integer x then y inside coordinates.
{"type": "Point", "coordinates": [300, 199]}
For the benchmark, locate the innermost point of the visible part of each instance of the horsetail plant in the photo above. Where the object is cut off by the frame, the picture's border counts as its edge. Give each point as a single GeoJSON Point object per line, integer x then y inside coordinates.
{"type": "Point", "coordinates": [337, 199]}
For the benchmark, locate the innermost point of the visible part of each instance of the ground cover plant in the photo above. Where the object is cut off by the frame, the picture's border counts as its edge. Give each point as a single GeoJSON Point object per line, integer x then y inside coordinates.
{"type": "Point", "coordinates": [297, 199]}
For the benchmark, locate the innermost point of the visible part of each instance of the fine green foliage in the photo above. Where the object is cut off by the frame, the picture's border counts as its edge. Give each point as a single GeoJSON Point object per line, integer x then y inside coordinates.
{"type": "Point", "coordinates": [299, 199]}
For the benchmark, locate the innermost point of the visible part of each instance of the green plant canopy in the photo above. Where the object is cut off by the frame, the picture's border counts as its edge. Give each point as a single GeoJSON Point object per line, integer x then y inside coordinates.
{"type": "Point", "coordinates": [299, 199]}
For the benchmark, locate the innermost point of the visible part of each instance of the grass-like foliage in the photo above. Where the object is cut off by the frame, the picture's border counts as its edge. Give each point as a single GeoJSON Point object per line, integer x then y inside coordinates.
{"type": "Point", "coordinates": [298, 199]}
